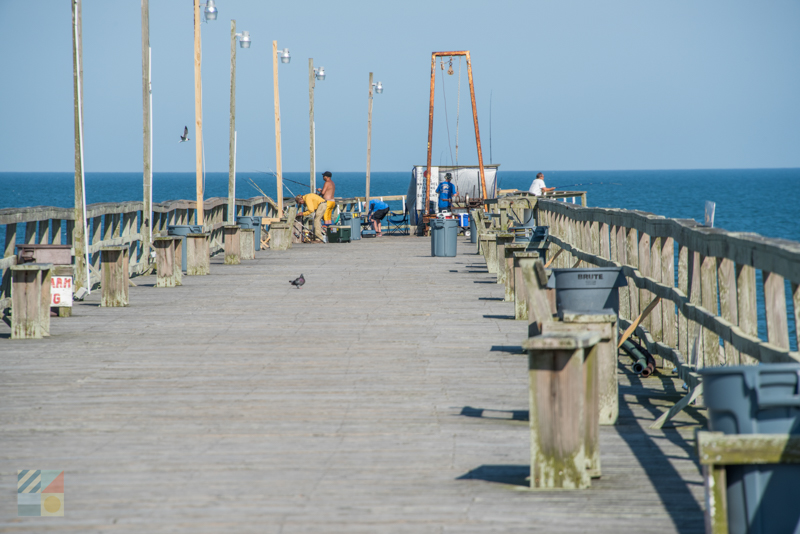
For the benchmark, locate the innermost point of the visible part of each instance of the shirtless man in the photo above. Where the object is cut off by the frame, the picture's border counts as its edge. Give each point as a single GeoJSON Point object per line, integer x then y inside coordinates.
{"type": "Point", "coordinates": [327, 193]}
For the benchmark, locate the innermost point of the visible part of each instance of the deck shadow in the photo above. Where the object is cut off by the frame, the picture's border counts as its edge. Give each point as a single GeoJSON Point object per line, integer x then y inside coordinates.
{"type": "Point", "coordinates": [499, 317]}
{"type": "Point", "coordinates": [511, 349]}
{"type": "Point", "coordinates": [488, 413]}
{"type": "Point", "coordinates": [515, 475]}
{"type": "Point", "coordinates": [491, 298]}
{"type": "Point", "coordinates": [674, 492]}
{"type": "Point", "coordinates": [484, 282]}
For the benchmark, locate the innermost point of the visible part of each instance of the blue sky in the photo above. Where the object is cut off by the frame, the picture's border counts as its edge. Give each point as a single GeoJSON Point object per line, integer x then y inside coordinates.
{"type": "Point", "coordinates": [574, 85]}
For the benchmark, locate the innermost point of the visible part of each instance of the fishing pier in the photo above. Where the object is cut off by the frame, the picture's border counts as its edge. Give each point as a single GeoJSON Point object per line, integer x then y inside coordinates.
{"type": "Point", "coordinates": [392, 391]}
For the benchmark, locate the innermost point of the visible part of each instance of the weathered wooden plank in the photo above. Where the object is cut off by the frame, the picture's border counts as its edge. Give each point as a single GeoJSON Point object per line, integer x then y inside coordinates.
{"type": "Point", "coordinates": [44, 233]}
{"type": "Point", "coordinates": [746, 306]}
{"type": "Point", "coordinates": [712, 352]}
{"type": "Point", "coordinates": [796, 305]}
{"type": "Point", "coordinates": [645, 297]}
{"type": "Point", "coordinates": [11, 240]}
{"type": "Point", "coordinates": [167, 261]}
{"type": "Point", "coordinates": [632, 259]}
{"type": "Point", "coordinates": [30, 233]}
{"type": "Point", "coordinates": [775, 309]}
{"type": "Point", "coordinates": [622, 259]}
{"type": "Point", "coordinates": [30, 300]}
{"type": "Point", "coordinates": [247, 242]}
{"type": "Point", "coordinates": [716, 448]}
{"type": "Point", "coordinates": [726, 272]}
{"type": "Point", "coordinates": [669, 318]}
{"type": "Point", "coordinates": [695, 339]}
{"type": "Point", "coordinates": [683, 286]}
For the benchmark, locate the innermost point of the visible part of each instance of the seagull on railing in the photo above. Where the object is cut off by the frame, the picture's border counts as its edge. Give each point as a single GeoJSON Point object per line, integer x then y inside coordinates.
{"type": "Point", "coordinates": [185, 136]}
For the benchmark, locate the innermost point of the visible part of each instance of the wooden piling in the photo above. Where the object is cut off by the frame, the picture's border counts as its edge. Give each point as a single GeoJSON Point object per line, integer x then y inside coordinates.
{"type": "Point", "coordinates": [557, 397]}
{"type": "Point", "coordinates": [607, 385]}
{"type": "Point", "coordinates": [522, 260]}
{"type": "Point", "coordinates": [232, 245]}
{"type": "Point", "coordinates": [280, 236]}
{"type": "Point", "coordinates": [247, 242]}
{"type": "Point", "coordinates": [198, 257]}
{"type": "Point", "coordinates": [114, 284]}
{"type": "Point", "coordinates": [508, 268]}
{"type": "Point", "coordinates": [30, 300]}
{"type": "Point", "coordinates": [501, 240]}
{"type": "Point", "coordinates": [168, 261]}
{"type": "Point", "coordinates": [64, 270]}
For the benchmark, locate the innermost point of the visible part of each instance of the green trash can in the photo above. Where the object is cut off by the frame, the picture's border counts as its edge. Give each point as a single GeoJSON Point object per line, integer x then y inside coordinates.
{"type": "Point", "coordinates": [757, 399]}
{"type": "Point", "coordinates": [339, 234]}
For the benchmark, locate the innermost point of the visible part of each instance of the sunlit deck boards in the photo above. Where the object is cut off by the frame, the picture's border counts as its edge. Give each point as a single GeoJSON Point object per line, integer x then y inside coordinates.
{"type": "Point", "coordinates": [386, 395]}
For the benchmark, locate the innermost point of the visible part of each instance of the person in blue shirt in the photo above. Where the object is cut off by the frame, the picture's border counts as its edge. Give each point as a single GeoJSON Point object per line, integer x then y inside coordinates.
{"type": "Point", "coordinates": [377, 211]}
{"type": "Point", "coordinates": [446, 192]}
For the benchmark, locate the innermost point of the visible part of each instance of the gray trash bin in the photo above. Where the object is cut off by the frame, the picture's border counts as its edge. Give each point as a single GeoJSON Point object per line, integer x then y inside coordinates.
{"type": "Point", "coordinates": [587, 290]}
{"type": "Point", "coordinates": [354, 221]}
{"type": "Point", "coordinates": [444, 233]}
{"type": "Point", "coordinates": [473, 230]}
{"type": "Point", "coordinates": [183, 230]}
{"type": "Point", "coordinates": [254, 223]}
{"type": "Point", "coordinates": [762, 399]}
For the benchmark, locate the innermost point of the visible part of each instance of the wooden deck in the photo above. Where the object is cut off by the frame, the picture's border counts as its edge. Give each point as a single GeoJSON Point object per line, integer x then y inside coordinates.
{"type": "Point", "coordinates": [389, 394]}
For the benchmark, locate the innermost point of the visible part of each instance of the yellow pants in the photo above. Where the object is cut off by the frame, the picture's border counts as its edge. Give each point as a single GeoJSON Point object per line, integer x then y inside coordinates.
{"type": "Point", "coordinates": [329, 211]}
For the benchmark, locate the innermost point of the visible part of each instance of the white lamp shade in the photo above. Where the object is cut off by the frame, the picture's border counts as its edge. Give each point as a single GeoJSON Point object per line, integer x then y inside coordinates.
{"type": "Point", "coordinates": [379, 88]}
{"type": "Point", "coordinates": [285, 56]}
{"type": "Point", "coordinates": [244, 40]}
{"type": "Point", "coordinates": [320, 73]}
{"type": "Point", "coordinates": [211, 10]}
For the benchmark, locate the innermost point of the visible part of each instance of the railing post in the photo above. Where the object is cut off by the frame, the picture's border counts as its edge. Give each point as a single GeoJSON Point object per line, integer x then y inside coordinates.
{"type": "Point", "coordinates": [198, 257]}
{"type": "Point", "coordinates": [557, 413]}
{"type": "Point", "coordinates": [232, 245]}
{"type": "Point", "coordinates": [668, 323]}
{"type": "Point", "coordinates": [632, 259]}
{"type": "Point", "coordinates": [30, 300]}
{"type": "Point", "coordinates": [168, 260]}
{"type": "Point", "coordinates": [114, 276]}
{"type": "Point", "coordinates": [775, 308]}
{"type": "Point", "coordinates": [247, 242]}
{"type": "Point", "coordinates": [708, 282]}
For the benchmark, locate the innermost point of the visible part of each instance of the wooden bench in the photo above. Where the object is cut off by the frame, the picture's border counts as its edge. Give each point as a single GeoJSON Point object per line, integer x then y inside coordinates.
{"type": "Point", "coordinates": [30, 300]}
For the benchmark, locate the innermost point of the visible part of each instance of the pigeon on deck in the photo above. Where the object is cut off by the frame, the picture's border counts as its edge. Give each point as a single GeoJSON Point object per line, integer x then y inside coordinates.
{"type": "Point", "coordinates": [298, 282]}
{"type": "Point", "coordinates": [185, 136]}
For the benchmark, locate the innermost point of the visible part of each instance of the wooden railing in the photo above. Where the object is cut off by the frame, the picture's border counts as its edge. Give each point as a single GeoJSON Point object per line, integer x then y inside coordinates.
{"type": "Point", "coordinates": [710, 317]}
{"type": "Point", "coordinates": [115, 224]}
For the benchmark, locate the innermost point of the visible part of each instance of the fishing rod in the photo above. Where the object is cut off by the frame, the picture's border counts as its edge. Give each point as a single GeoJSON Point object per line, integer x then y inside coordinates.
{"type": "Point", "coordinates": [591, 183]}
{"type": "Point", "coordinates": [285, 179]}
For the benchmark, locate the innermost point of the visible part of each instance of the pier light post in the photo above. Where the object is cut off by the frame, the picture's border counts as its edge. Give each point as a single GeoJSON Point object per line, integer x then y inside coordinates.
{"type": "Point", "coordinates": [244, 42]}
{"type": "Point", "coordinates": [211, 13]}
{"type": "Point", "coordinates": [285, 58]}
{"type": "Point", "coordinates": [378, 88]}
{"type": "Point", "coordinates": [313, 74]}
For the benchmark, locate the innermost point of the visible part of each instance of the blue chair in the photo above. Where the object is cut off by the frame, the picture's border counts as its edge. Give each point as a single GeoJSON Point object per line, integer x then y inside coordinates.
{"type": "Point", "coordinates": [396, 223]}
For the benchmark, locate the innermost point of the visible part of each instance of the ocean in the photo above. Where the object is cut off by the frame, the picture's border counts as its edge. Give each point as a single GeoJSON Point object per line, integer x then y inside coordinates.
{"type": "Point", "coordinates": [763, 201]}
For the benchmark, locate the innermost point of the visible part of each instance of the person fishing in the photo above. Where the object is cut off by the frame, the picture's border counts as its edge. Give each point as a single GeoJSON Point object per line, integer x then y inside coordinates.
{"type": "Point", "coordinates": [327, 192]}
{"type": "Point", "coordinates": [377, 211]}
{"type": "Point", "coordinates": [315, 205]}
{"type": "Point", "coordinates": [538, 188]}
{"type": "Point", "coordinates": [446, 192]}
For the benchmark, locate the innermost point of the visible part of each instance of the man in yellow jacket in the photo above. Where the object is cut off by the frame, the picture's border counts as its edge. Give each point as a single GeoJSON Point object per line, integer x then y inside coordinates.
{"type": "Point", "coordinates": [314, 204]}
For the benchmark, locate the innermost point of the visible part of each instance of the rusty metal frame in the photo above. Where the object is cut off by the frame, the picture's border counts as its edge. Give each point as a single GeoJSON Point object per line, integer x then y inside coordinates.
{"type": "Point", "coordinates": [434, 55]}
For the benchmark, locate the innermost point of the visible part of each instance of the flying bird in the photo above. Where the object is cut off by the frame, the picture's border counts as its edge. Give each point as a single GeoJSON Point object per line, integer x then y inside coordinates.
{"type": "Point", "coordinates": [298, 282]}
{"type": "Point", "coordinates": [185, 136]}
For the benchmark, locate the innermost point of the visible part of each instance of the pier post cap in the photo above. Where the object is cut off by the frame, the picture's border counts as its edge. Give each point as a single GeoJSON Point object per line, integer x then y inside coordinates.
{"type": "Point", "coordinates": [562, 341]}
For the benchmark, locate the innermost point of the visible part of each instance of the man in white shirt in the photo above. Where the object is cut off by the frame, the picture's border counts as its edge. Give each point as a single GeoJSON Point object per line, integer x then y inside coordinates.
{"type": "Point", "coordinates": [538, 188]}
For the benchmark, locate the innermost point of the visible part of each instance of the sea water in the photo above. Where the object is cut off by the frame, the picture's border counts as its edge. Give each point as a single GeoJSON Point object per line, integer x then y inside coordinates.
{"type": "Point", "coordinates": [764, 201]}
